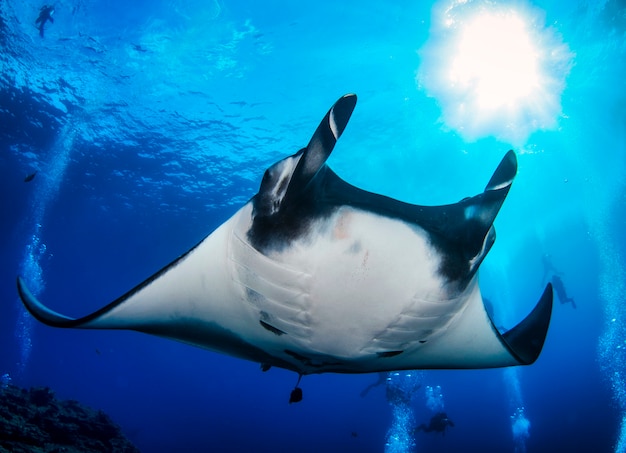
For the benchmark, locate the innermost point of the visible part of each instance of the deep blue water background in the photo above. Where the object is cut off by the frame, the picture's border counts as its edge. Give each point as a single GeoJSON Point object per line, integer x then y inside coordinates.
{"type": "Point", "coordinates": [150, 123]}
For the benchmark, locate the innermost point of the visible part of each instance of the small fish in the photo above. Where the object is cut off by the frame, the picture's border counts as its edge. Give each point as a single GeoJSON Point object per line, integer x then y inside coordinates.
{"type": "Point", "coordinates": [30, 177]}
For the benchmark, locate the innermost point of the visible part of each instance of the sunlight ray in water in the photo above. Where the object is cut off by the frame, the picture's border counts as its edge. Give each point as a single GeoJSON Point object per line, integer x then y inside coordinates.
{"type": "Point", "coordinates": [51, 177]}
{"type": "Point", "coordinates": [519, 422]}
{"type": "Point", "coordinates": [612, 344]}
{"type": "Point", "coordinates": [495, 70]}
{"type": "Point", "coordinates": [520, 425]}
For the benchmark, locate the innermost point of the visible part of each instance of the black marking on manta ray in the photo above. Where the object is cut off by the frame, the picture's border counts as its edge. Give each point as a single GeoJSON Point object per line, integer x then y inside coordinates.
{"type": "Point", "coordinates": [310, 362]}
{"type": "Point", "coordinates": [271, 328]}
{"type": "Point", "coordinates": [279, 232]}
{"type": "Point", "coordinates": [386, 354]}
{"type": "Point", "coordinates": [458, 238]}
{"type": "Point", "coordinates": [192, 330]}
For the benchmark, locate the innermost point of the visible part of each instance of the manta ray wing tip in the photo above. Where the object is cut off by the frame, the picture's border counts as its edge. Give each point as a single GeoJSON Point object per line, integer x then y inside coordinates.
{"type": "Point", "coordinates": [40, 311]}
{"type": "Point", "coordinates": [526, 339]}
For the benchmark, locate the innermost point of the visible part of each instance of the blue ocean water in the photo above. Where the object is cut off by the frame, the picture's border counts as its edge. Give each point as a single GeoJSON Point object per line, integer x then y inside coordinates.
{"type": "Point", "coordinates": [149, 123]}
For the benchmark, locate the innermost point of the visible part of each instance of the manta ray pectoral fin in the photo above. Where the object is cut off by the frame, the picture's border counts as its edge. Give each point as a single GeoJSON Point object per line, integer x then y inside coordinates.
{"type": "Point", "coordinates": [51, 318]}
{"type": "Point", "coordinates": [322, 143]}
{"type": "Point", "coordinates": [525, 340]}
{"type": "Point", "coordinates": [472, 340]}
{"type": "Point", "coordinates": [100, 319]}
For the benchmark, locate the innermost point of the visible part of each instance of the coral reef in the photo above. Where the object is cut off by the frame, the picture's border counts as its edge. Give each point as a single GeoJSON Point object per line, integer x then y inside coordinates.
{"type": "Point", "coordinates": [35, 421]}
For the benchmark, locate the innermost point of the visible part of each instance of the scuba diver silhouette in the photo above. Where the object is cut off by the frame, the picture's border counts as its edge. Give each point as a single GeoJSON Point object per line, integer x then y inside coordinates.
{"type": "Point", "coordinates": [382, 379]}
{"type": "Point", "coordinates": [548, 268]}
{"type": "Point", "coordinates": [559, 289]}
{"type": "Point", "coordinates": [557, 283]}
{"type": "Point", "coordinates": [45, 14]}
{"type": "Point", "coordinates": [438, 423]}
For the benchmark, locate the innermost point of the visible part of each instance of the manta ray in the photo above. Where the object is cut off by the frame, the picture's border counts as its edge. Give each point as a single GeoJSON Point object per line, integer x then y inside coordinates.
{"type": "Point", "coordinates": [315, 275]}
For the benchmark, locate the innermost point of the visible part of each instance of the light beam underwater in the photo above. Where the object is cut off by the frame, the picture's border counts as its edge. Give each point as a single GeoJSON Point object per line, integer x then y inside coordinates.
{"type": "Point", "coordinates": [495, 70]}
{"type": "Point", "coordinates": [47, 189]}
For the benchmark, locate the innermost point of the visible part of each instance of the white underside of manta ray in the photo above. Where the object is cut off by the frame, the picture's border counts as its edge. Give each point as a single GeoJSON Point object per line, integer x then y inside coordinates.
{"type": "Point", "coordinates": [315, 275]}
